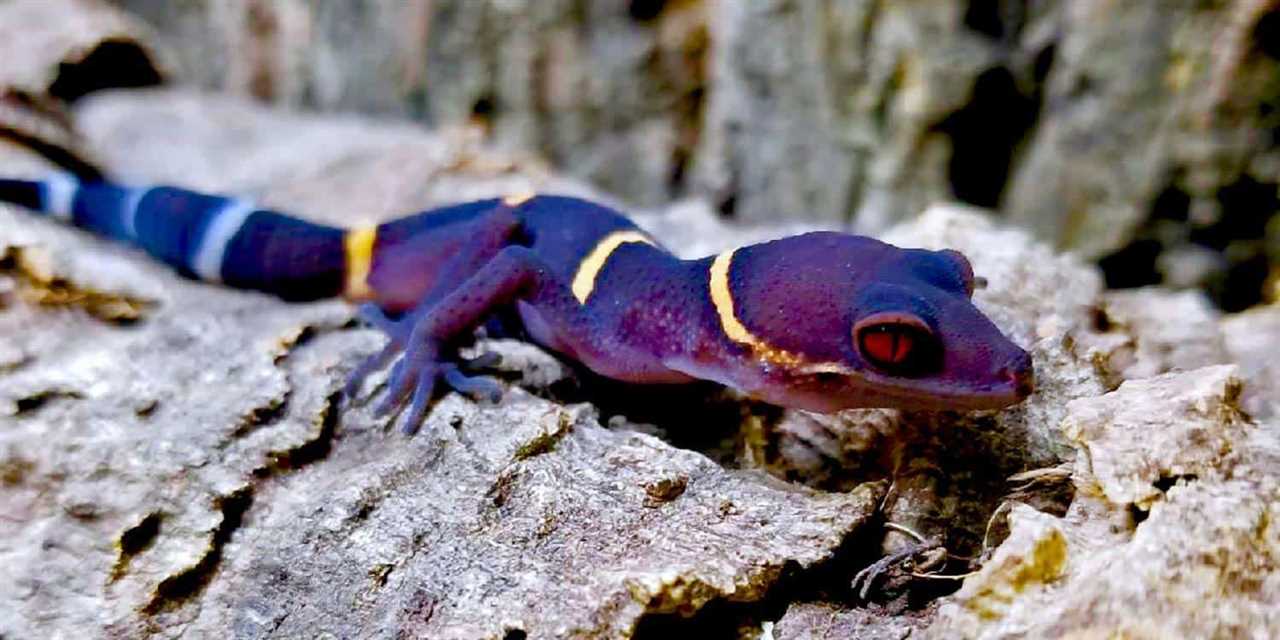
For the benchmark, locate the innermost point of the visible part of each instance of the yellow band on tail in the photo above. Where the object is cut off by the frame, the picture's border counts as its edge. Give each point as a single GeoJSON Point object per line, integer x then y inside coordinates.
{"type": "Point", "coordinates": [359, 249]}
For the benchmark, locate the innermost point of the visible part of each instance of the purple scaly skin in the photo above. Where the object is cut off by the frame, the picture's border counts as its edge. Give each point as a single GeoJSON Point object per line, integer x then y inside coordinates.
{"type": "Point", "coordinates": [820, 321]}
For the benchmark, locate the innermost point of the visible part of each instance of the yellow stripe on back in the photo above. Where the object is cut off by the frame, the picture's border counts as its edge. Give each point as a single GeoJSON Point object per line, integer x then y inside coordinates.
{"type": "Point", "coordinates": [359, 249]}
{"type": "Point", "coordinates": [584, 281]}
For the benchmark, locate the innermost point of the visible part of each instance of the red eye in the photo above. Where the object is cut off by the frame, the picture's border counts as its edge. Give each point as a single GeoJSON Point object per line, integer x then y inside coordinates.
{"type": "Point", "coordinates": [887, 343]}
{"type": "Point", "coordinates": [897, 343]}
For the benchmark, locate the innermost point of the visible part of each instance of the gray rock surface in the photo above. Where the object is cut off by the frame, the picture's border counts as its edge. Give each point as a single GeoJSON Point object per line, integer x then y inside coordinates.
{"type": "Point", "coordinates": [1170, 534]}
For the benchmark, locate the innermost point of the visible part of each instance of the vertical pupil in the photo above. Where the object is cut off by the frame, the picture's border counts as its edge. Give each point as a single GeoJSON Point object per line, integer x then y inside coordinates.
{"type": "Point", "coordinates": [888, 344]}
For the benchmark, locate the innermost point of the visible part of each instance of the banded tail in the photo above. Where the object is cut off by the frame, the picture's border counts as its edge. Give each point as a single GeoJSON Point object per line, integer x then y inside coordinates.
{"type": "Point", "coordinates": [213, 238]}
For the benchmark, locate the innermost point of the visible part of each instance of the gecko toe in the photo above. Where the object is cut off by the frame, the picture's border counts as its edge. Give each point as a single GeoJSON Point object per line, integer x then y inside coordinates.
{"type": "Point", "coordinates": [375, 362]}
{"type": "Point", "coordinates": [422, 395]}
{"type": "Point", "coordinates": [478, 387]}
{"type": "Point", "coordinates": [399, 385]}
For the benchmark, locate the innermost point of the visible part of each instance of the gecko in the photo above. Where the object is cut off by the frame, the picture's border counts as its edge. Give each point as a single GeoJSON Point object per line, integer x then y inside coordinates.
{"type": "Point", "coordinates": [821, 321]}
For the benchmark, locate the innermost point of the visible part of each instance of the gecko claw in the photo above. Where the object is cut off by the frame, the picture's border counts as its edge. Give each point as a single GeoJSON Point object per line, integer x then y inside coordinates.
{"type": "Point", "coordinates": [375, 362]}
{"type": "Point", "coordinates": [422, 394]}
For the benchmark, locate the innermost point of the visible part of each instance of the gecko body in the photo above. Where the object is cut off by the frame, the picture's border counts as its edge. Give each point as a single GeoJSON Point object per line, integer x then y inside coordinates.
{"type": "Point", "coordinates": [821, 321]}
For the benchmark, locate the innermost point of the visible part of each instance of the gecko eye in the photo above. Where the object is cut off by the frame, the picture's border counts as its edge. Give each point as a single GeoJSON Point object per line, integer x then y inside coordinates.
{"type": "Point", "coordinates": [897, 343]}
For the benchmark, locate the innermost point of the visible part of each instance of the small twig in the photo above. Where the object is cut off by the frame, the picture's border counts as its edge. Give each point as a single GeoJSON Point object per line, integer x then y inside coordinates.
{"type": "Point", "coordinates": [986, 535]}
{"type": "Point", "coordinates": [902, 528]}
{"type": "Point", "coordinates": [942, 576]}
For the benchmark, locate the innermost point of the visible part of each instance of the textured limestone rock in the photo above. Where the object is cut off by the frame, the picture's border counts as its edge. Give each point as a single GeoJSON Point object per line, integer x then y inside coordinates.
{"type": "Point", "coordinates": [1163, 332]}
{"type": "Point", "coordinates": [44, 41]}
{"type": "Point", "coordinates": [1126, 117]}
{"type": "Point", "coordinates": [1251, 337]}
{"type": "Point", "coordinates": [56, 52]}
{"type": "Point", "coordinates": [1169, 535]}
{"type": "Point", "coordinates": [847, 96]}
{"type": "Point", "coordinates": [606, 90]}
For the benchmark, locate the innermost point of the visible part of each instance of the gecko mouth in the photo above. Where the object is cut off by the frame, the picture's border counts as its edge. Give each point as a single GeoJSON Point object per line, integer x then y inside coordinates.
{"type": "Point", "coordinates": [1011, 385]}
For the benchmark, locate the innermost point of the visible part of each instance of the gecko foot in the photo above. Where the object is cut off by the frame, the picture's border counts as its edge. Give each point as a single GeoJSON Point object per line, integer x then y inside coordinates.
{"type": "Point", "coordinates": [920, 554]}
{"type": "Point", "coordinates": [414, 378]}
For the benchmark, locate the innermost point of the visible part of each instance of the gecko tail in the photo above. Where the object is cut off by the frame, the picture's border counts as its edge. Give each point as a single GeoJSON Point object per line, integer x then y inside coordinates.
{"type": "Point", "coordinates": [52, 196]}
{"type": "Point", "coordinates": [210, 237]}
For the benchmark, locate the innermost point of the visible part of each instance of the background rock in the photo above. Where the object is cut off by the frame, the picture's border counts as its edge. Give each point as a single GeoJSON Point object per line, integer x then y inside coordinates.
{"type": "Point", "coordinates": [1155, 151]}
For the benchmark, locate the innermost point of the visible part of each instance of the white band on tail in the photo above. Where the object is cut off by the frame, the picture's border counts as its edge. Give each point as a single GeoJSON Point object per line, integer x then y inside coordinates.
{"type": "Point", "coordinates": [206, 260]}
{"type": "Point", "coordinates": [58, 192]}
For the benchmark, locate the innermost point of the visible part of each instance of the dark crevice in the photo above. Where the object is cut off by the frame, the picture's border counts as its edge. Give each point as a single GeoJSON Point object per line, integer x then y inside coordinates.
{"type": "Point", "coordinates": [1172, 204]}
{"type": "Point", "coordinates": [1133, 265]}
{"type": "Point", "coordinates": [1266, 34]}
{"type": "Point", "coordinates": [1235, 231]}
{"type": "Point", "coordinates": [1137, 514]}
{"type": "Point", "coordinates": [310, 451]}
{"type": "Point", "coordinates": [985, 133]}
{"type": "Point", "coordinates": [515, 634]}
{"type": "Point", "coordinates": [1042, 65]}
{"type": "Point", "coordinates": [259, 417]}
{"type": "Point", "coordinates": [112, 64]}
{"type": "Point", "coordinates": [645, 10]}
{"type": "Point", "coordinates": [135, 540]}
{"type": "Point", "coordinates": [984, 17]}
{"type": "Point", "coordinates": [483, 108]}
{"type": "Point", "coordinates": [1166, 482]}
{"type": "Point", "coordinates": [35, 402]}
{"type": "Point", "coordinates": [60, 156]}
{"type": "Point", "coordinates": [178, 588]}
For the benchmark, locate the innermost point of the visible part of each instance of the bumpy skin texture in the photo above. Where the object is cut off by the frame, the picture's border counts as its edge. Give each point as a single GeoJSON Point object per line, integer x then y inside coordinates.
{"type": "Point", "coordinates": [821, 321]}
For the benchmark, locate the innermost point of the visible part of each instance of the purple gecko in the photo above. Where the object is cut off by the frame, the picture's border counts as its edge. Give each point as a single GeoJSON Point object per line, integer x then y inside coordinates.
{"type": "Point", "coordinates": [820, 321]}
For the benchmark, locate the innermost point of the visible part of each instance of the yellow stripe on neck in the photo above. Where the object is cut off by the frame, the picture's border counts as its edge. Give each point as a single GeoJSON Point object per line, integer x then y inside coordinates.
{"type": "Point", "coordinates": [584, 281]}
{"type": "Point", "coordinates": [359, 249]}
{"type": "Point", "coordinates": [722, 299]}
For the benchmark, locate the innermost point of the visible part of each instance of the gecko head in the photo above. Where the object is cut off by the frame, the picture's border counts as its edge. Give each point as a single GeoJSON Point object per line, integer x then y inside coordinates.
{"type": "Point", "coordinates": [897, 329]}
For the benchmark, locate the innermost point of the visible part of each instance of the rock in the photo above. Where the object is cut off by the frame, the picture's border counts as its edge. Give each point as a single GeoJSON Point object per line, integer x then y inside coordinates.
{"type": "Point", "coordinates": [182, 468]}
{"type": "Point", "coordinates": [67, 48]}
{"type": "Point", "coordinates": [1168, 536]}
{"type": "Point", "coordinates": [816, 622]}
{"type": "Point", "coordinates": [1165, 332]}
{"type": "Point", "coordinates": [604, 89]}
{"type": "Point", "coordinates": [56, 52]}
{"type": "Point", "coordinates": [1251, 338]}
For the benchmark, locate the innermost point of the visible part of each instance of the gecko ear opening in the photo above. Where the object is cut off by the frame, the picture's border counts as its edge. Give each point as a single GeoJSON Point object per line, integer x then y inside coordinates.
{"type": "Point", "coordinates": [964, 269]}
{"type": "Point", "coordinates": [896, 343]}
